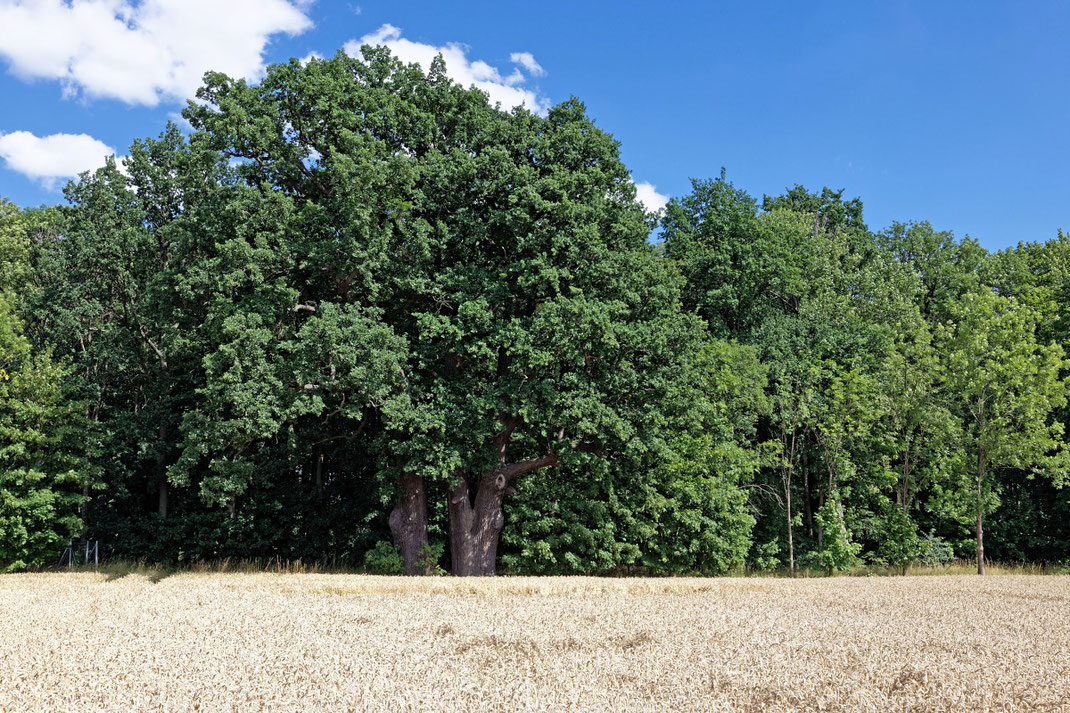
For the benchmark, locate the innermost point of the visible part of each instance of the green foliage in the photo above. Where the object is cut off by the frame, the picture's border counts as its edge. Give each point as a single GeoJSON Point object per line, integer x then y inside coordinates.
{"type": "Point", "coordinates": [42, 473]}
{"type": "Point", "coordinates": [697, 509]}
{"type": "Point", "coordinates": [711, 234]}
{"type": "Point", "coordinates": [429, 557]}
{"type": "Point", "coordinates": [837, 553]}
{"type": "Point", "coordinates": [1006, 386]}
{"type": "Point", "coordinates": [764, 557]}
{"type": "Point", "coordinates": [699, 514]}
{"type": "Point", "coordinates": [829, 207]}
{"type": "Point", "coordinates": [384, 558]}
{"type": "Point", "coordinates": [900, 545]}
{"type": "Point", "coordinates": [579, 519]}
{"type": "Point", "coordinates": [947, 270]}
{"type": "Point", "coordinates": [1037, 275]}
{"type": "Point", "coordinates": [933, 551]}
{"type": "Point", "coordinates": [237, 343]}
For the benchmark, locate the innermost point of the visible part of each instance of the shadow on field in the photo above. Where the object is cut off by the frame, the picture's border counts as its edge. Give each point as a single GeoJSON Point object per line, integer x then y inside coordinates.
{"type": "Point", "coordinates": [154, 575]}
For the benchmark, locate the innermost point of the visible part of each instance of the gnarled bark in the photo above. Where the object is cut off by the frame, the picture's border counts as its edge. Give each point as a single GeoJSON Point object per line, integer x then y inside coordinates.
{"type": "Point", "coordinates": [475, 524]}
{"type": "Point", "coordinates": [408, 522]}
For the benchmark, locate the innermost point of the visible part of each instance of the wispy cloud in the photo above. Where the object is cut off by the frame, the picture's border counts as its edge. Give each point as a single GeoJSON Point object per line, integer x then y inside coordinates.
{"type": "Point", "coordinates": [527, 61]}
{"type": "Point", "coordinates": [504, 89]}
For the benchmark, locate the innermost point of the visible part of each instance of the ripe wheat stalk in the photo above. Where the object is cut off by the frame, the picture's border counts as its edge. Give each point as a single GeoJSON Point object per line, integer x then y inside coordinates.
{"type": "Point", "coordinates": [316, 642]}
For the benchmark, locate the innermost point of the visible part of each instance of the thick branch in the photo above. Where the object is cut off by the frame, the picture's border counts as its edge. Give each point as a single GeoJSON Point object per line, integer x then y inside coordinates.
{"type": "Point", "coordinates": [512, 470]}
{"type": "Point", "coordinates": [502, 438]}
{"type": "Point", "coordinates": [325, 191]}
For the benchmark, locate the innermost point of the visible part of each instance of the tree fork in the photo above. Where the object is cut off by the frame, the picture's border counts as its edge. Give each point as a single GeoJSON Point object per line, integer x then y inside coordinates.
{"type": "Point", "coordinates": [475, 525]}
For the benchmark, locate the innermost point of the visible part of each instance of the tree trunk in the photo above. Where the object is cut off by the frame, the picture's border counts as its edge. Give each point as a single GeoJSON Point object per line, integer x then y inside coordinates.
{"type": "Point", "coordinates": [161, 497]}
{"type": "Point", "coordinates": [475, 526]}
{"type": "Point", "coordinates": [321, 502]}
{"type": "Point", "coordinates": [819, 527]}
{"type": "Point", "coordinates": [83, 511]}
{"type": "Point", "coordinates": [791, 542]}
{"type": "Point", "coordinates": [904, 486]}
{"type": "Point", "coordinates": [408, 522]}
{"type": "Point", "coordinates": [980, 535]}
{"type": "Point", "coordinates": [980, 528]}
{"type": "Point", "coordinates": [161, 473]}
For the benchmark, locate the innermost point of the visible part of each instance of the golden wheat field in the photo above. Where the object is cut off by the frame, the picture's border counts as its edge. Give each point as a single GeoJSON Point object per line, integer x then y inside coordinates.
{"type": "Point", "coordinates": [312, 642]}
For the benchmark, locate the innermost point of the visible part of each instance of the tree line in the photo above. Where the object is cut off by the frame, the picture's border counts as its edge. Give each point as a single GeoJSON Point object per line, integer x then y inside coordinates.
{"type": "Point", "coordinates": [358, 313]}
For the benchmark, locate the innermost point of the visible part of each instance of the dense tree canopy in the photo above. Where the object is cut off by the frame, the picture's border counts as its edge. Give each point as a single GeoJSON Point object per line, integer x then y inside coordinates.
{"type": "Point", "coordinates": [44, 477]}
{"type": "Point", "coordinates": [358, 313]}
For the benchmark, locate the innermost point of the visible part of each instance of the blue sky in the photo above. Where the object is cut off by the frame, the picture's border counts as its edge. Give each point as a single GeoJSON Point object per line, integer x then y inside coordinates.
{"type": "Point", "coordinates": [951, 112]}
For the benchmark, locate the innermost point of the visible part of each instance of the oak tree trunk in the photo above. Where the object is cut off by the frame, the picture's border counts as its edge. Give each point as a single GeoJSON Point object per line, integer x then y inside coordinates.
{"type": "Point", "coordinates": [787, 472]}
{"type": "Point", "coordinates": [475, 526]}
{"type": "Point", "coordinates": [476, 523]}
{"type": "Point", "coordinates": [408, 523]}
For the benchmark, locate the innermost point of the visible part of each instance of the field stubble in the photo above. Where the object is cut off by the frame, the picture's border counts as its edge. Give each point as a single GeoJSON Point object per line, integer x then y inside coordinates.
{"type": "Point", "coordinates": [309, 642]}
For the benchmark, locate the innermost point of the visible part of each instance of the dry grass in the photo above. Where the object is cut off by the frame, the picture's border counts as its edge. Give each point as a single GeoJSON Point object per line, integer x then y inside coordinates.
{"type": "Point", "coordinates": [318, 642]}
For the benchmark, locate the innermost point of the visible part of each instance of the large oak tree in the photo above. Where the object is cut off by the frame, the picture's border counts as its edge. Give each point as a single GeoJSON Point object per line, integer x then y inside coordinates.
{"type": "Point", "coordinates": [467, 291]}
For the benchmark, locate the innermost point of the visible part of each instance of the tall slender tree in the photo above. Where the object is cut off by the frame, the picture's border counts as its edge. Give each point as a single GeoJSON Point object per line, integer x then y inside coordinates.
{"type": "Point", "coordinates": [1006, 387]}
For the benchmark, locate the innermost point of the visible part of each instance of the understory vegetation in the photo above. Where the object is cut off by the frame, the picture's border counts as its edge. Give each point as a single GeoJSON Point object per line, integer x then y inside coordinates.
{"type": "Point", "coordinates": [358, 314]}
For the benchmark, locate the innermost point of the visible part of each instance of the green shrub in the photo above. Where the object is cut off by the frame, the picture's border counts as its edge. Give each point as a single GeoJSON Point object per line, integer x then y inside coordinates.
{"type": "Point", "coordinates": [934, 551]}
{"type": "Point", "coordinates": [427, 562]}
{"type": "Point", "coordinates": [384, 558]}
{"type": "Point", "coordinates": [837, 552]}
{"type": "Point", "coordinates": [900, 545]}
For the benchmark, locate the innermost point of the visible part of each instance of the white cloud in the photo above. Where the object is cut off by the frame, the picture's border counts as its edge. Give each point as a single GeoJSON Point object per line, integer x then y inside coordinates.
{"type": "Point", "coordinates": [649, 197]}
{"type": "Point", "coordinates": [141, 52]}
{"type": "Point", "coordinates": [503, 89]}
{"type": "Point", "coordinates": [527, 61]}
{"type": "Point", "coordinates": [49, 158]}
